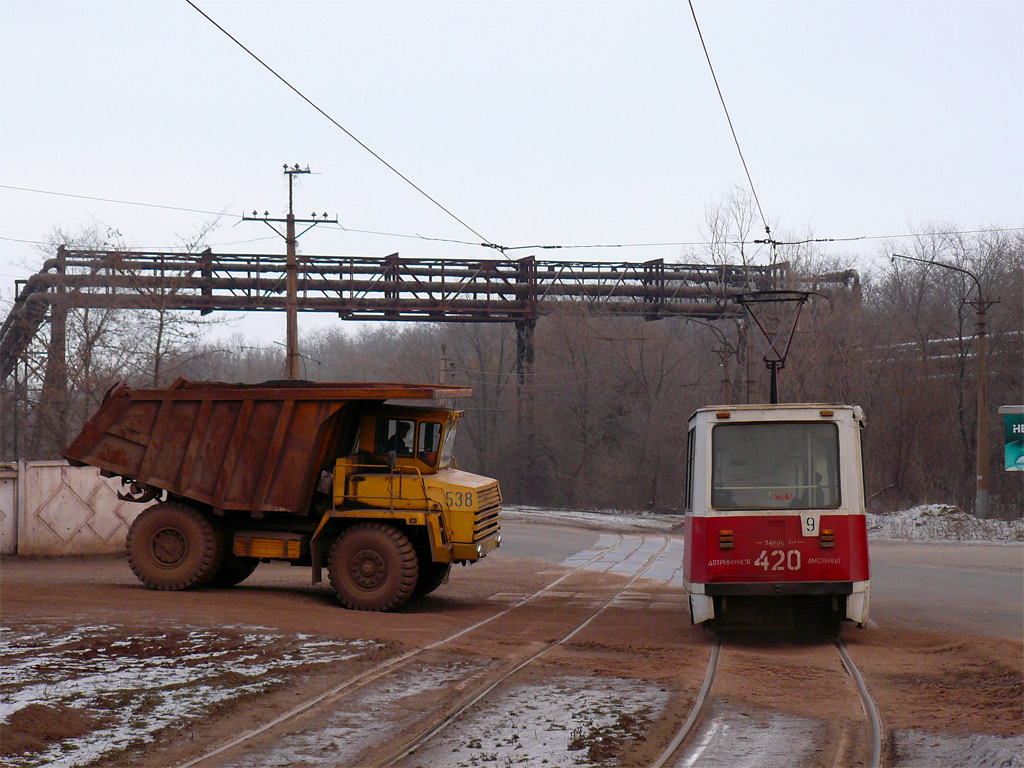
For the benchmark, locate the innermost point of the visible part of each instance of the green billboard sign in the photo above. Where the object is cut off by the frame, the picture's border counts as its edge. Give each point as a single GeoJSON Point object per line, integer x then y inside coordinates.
{"type": "Point", "coordinates": [1013, 432]}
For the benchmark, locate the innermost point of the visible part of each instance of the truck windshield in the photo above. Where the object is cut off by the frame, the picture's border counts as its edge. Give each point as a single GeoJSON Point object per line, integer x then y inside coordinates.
{"type": "Point", "coordinates": [775, 466]}
{"type": "Point", "coordinates": [429, 442]}
{"type": "Point", "coordinates": [447, 446]}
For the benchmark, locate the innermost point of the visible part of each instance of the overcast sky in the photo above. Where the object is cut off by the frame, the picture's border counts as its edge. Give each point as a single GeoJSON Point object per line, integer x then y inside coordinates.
{"type": "Point", "coordinates": [541, 122]}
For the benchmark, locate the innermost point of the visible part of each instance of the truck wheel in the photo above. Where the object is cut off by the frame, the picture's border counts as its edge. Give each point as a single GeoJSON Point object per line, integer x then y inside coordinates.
{"type": "Point", "coordinates": [373, 567]}
{"type": "Point", "coordinates": [234, 570]}
{"type": "Point", "coordinates": [174, 546]}
{"type": "Point", "coordinates": [432, 576]}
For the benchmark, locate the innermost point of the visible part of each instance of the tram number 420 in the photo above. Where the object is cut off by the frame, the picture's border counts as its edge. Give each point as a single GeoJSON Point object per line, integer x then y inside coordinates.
{"type": "Point", "coordinates": [779, 560]}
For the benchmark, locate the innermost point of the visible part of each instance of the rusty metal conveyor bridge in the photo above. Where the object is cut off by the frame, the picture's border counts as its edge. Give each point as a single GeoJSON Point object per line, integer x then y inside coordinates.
{"type": "Point", "coordinates": [362, 288]}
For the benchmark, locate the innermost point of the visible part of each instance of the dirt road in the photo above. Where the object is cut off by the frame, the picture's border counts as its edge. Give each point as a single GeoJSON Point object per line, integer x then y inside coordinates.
{"type": "Point", "coordinates": [98, 670]}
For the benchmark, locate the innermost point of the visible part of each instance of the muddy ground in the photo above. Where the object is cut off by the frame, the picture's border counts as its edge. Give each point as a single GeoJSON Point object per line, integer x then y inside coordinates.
{"type": "Point", "coordinates": [98, 670]}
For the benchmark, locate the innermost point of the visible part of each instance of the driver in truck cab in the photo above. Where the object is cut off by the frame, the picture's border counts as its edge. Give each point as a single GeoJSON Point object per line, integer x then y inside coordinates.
{"type": "Point", "coordinates": [400, 442]}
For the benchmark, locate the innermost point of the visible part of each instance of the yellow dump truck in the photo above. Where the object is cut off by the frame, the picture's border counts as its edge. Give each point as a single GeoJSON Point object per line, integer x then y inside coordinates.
{"type": "Point", "coordinates": [319, 475]}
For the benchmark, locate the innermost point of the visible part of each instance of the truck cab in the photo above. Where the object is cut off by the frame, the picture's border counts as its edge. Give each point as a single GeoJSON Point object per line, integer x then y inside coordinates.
{"type": "Point", "coordinates": [402, 461]}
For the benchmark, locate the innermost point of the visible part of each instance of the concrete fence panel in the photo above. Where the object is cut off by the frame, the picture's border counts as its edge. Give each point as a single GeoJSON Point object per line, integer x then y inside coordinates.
{"type": "Point", "coordinates": [65, 510]}
{"type": "Point", "coordinates": [8, 509]}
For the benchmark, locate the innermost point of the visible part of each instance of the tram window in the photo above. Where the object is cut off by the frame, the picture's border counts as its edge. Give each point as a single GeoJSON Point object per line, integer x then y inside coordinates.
{"type": "Point", "coordinates": [775, 466]}
{"type": "Point", "coordinates": [689, 470]}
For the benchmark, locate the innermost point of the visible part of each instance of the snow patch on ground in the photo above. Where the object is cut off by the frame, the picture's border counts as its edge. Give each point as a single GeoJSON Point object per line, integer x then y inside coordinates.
{"type": "Point", "coordinates": [728, 736]}
{"type": "Point", "coordinates": [141, 683]}
{"type": "Point", "coordinates": [604, 519]}
{"type": "Point", "coordinates": [365, 721]}
{"type": "Point", "coordinates": [942, 522]}
{"type": "Point", "coordinates": [924, 749]}
{"type": "Point", "coordinates": [570, 721]}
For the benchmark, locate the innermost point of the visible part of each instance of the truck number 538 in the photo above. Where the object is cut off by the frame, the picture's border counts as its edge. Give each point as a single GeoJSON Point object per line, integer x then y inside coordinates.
{"type": "Point", "coordinates": [779, 560]}
{"type": "Point", "coordinates": [459, 498]}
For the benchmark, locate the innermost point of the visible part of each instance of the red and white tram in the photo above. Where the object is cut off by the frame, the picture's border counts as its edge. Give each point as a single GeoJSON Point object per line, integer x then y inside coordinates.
{"type": "Point", "coordinates": [776, 535]}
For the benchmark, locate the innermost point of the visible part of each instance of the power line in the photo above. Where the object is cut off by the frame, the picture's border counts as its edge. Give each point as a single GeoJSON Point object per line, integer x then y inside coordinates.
{"type": "Point", "coordinates": [413, 236]}
{"type": "Point", "coordinates": [242, 242]}
{"type": "Point", "coordinates": [605, 245]}
{"type": "Point", "coordinates": [119, 202]}
{"type": "Point", "coordinates": [743, 160]}
{"type": "Point", "coordinates": [342, 227]}
{"type": "Point", "coordinates": [338, 125]}
{"type": "Point", "coordinates": [987, 230]}
{"type": "Point", "coordinates": [680, 243]}
{"type": "Point", "coordinates": [144, 247]}
{"type": "Point", "coordinates": [539, 246]}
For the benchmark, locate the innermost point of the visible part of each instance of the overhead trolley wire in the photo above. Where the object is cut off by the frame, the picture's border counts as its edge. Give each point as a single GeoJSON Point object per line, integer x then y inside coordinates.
{"type": "Point", "coordinates": [735, 139]}
{"type": "Point", "coordinates": [338, 125]}
{"type": "Point", "coordinates": [597, 245]}
{"type": "Point", "coordinates": [412, 236]}
{"type": "Point", "coordinates": [564, 246]}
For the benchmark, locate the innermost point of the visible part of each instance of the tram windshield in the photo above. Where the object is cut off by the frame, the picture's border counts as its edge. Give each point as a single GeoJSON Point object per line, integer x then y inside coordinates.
{"type": "Point", "coordinates": [775, 466]}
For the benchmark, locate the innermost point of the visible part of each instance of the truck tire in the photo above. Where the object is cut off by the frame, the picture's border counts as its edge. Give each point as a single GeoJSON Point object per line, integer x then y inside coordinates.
{"type": "Point", "coordinates": [373, 567]}
{"type": "Point", "coordinates": [174, 546]}
{"type": "Point", "coordinates": [234, 570]}
{"type": "Point", "coordinates": [432, 576]}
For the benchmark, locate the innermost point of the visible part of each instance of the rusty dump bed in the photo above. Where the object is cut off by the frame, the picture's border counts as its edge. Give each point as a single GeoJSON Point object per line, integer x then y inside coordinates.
{"type": "Point", "coordinates": [257, 448]}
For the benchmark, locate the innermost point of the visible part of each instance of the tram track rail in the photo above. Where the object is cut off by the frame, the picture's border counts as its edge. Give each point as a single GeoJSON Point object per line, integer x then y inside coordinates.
{"type": "Point", "coordinates": [673, 752]}
{"type": "Point", "coordinates": [425, 735]}
{"type": "Point", "coordinates": [430, 726]}
{"type": "Point", "coordinates": [870, 709]}
{"type": "Point", "coordinates": [395, 664]}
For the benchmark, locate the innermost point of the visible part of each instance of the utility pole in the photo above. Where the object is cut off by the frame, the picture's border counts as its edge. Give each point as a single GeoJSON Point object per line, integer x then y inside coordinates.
{"type": "Point", "coordinates": [981, 493]}
{"type": "Point", "coordinates": [726, 390]}
{"type": "Point", "coordinates": [291, 265]}
{"type": "Point", "coordinates": [723, 353]}
{"type": "Point", "coordinates": [981, 442]}
{"type": "Point", "coordinates": [743, 337]}
{"type": "Point", "coordinates": [447, 366]}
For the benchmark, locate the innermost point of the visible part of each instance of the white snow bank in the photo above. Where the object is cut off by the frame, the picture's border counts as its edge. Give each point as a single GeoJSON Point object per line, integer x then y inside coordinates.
{"type": "Point", "coordinates": [942, 522]}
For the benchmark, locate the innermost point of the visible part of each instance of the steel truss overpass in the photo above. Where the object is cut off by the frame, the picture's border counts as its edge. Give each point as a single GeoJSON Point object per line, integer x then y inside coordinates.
{"type": "Point", "coordinates": [359, 288]}
{"type": "Point", "coordinates": [391, 288]}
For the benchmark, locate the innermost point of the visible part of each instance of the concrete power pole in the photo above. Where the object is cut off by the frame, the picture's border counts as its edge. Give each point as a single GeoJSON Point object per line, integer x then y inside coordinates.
{"type": "Point", "coordinates": [291, 265]}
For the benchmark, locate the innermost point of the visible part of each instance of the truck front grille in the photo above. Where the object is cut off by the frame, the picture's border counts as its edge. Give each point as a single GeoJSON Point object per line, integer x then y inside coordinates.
{"type": "Point", "coordinates": [488, 519]}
